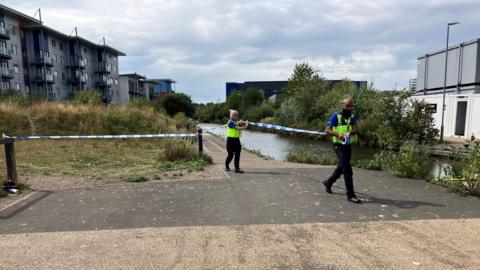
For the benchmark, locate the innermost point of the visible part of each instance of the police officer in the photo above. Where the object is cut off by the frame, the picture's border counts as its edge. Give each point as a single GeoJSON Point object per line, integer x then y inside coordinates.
{"type": "Point", "coordinates": [342, 126]}
{"type": "Point", "coordinates": [234, 132]}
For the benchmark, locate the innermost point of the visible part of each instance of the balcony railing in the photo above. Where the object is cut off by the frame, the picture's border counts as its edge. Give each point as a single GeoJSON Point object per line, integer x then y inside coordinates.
{"type": "Point", "coordinates": [77, 79]}
{"type": "Point", "coordinates": [48, 78]}
{"type": "Point", "coordinates": [41, 60]}
{"type": "Point", "coordinates": [77, 62]}
{"type": "Point", "coordinates": [4, 33]}
{"type": "Point", "coordinates": [7, 73]}
{"type": "Point", "coordinates": [5, 53]}
{"type": "Point", "coordinates": [104, 67]}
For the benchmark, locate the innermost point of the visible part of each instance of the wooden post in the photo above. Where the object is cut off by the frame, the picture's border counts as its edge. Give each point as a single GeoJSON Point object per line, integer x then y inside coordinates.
{"type": "Point", "coordinates": [200, 141]}
{"type": "Point", "coordinates": [12, 177]}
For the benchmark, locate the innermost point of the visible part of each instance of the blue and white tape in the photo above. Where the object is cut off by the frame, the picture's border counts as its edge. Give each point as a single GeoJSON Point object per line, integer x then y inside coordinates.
{"type": "Point", "coordinates": [286, 129]}
{"type": "Point", "coordinates": [128, 136]}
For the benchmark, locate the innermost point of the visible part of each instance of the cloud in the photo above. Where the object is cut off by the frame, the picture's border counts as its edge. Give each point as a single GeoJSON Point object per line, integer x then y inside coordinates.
{"type": "Point", "coordinates": [203, 44]}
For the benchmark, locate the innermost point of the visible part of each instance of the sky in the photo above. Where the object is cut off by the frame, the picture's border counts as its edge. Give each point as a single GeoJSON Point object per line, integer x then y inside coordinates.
{"type": "Point", "coordinates": [204, 44]}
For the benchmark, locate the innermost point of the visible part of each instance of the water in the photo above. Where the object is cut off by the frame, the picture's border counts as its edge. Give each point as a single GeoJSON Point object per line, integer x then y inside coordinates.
{"type": "Point", "coordinates": [277, 147]}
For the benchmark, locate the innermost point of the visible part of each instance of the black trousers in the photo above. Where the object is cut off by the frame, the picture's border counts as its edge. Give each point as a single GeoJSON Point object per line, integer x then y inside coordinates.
{"type": "Point", "coordinates": [344, 155]}
{"type": "Point", "coordinates": [234, 147]}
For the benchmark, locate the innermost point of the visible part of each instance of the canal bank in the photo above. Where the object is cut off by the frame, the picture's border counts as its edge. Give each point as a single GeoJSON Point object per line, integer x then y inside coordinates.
{"type": "Point", "coordinates": [278, 147]}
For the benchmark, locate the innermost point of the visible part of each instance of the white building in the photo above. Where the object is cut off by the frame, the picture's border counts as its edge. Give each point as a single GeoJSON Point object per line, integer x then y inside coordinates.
{"type": "Point", "coordinates": [462, 101]}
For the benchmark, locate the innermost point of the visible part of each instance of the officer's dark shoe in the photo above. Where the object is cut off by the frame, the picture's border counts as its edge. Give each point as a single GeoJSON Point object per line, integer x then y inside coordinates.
{"type": "Point", "coordinates": [227, 168]}
{"type": "Point", "coordinates": [328, 187]}
{"type": "Point", "coordinates": [237, 170]}
{"type": "Point", "coordinates": [354, 200]}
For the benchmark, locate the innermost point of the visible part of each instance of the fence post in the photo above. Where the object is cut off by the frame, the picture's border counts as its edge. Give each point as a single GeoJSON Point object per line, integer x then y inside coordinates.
{"type": "Point", "coordinates": [200, 141]}
{"type": "Point", "coordinates": [12, 178]}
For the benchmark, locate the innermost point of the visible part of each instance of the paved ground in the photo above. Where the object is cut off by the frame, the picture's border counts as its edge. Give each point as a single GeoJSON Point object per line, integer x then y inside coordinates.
{"type": "Point", "coordinates": [278, 217]}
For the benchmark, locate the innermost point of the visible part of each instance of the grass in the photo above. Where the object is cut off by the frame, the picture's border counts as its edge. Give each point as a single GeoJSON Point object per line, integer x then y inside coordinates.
{"type": "Point", "coordinates": [73, 119]}
{"type": "Point", "coordinates": [310, 158]}
{"type": "Point", "coordinates": [130, 160]}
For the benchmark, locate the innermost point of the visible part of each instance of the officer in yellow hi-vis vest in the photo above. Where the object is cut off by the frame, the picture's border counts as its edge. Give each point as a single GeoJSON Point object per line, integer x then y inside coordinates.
{"type": "Point", "coordinates": [234, 147]}
{"type": "Point", "coordinates": [342, 126]}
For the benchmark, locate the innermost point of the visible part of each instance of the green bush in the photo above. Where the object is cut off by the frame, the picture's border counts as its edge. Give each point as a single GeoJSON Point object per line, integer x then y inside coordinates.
{"type": "Point", "coordinates": [408, 162]}
{"type": "Point", "coordinates": [466, 181]}
{"type": "Point", "coordinates": [308, 157]}
{"type": "Point", "coordinates": [178, 102]}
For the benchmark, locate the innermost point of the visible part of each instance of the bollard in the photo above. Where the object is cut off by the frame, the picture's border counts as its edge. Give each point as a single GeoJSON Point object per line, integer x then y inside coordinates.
{"type": "Point", "coordinates": [11, 181]}
{"type": "Point", "coordinates": [200, 141]}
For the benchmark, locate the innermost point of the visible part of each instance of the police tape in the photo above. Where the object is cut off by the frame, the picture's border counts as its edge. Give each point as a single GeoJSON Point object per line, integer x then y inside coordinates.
{"type": "Point", "coordinates": [286, 129]}
{"type": "Point", "coordinates": [127, 136]}
{"type": "Point", "coordinates": [277, 127]}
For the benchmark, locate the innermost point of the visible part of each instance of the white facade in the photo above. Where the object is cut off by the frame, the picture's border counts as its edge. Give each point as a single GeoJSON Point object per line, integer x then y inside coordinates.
{"type": "Point", "coordinates": [462, 114]}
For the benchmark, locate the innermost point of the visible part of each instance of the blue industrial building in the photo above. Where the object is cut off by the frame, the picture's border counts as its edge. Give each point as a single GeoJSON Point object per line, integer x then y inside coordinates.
{"type": "Point", "coordinates": [271, 88]}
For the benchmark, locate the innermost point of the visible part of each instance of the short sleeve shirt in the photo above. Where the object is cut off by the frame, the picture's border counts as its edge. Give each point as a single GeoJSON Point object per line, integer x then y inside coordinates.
{"type": "Point", "coordinates": [333, 121]}
{"type": "Point", "coordinates": [231, 123]}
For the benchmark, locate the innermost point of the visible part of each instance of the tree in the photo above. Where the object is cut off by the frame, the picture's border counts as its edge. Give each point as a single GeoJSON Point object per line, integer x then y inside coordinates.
{"type": "Point", "coordinates": [250, 98]}
{"type": "Point", "coordinates": [178, 102]}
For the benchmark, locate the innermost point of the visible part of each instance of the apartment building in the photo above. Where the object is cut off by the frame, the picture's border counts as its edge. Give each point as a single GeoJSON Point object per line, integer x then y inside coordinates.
{"type": "Point", "coordinates": [38, 60]}
{"type": "Point", "coordinates": [135, 85]}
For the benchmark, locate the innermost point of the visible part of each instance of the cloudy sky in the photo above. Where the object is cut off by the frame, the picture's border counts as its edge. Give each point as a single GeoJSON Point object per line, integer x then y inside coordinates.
{"type": "Point", "coordinates": [203, 44]}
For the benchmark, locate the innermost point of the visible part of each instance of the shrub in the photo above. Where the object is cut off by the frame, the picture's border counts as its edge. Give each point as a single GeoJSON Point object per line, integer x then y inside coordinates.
{"type": "Point", "coordinates": [466, 181]}
{"type": "Point", "coordinates": [178, 150]}
{"type": "Point", "coordinates": [308, 157]}
{"type": "Point", "coordinates": [90, 97]}
{"type": "Point", "coordinates": [409, 162]}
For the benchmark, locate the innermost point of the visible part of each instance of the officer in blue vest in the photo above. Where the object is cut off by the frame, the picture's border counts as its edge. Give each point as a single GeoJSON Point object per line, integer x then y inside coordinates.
{"type": "Point", "coordinates": [234, 147]}
{"type": "Point", "coordinates": [342, 126]}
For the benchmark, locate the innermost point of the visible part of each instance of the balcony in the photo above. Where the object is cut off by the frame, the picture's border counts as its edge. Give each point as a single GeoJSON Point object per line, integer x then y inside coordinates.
{"type": "Point", "coordinates": [4, 33]}
{"type": "Point", "coordinates": [48, 78]}
{"type": "Point", "coordinates": [104, 68]}
{"type": "Point", "coordinates": [5, 53]}
{"type": "Point", "coordinates": [77, 79]}
{"type": "Point", "coordinates": [42, 60]}
{"type": "Point", "coordinates": [7, 73]}
{"type": "Point", "coordinates": [76, 62]}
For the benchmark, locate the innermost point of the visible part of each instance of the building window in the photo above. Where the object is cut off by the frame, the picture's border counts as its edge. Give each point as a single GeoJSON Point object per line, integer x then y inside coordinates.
{"type": "Point", "coordinates": [54, 44]}
{"type": "Point", "coordinates": [14, 49]}
{"type": "Point", "coordinates": [116, 82]}
{"type": "Point", "coordinates": [55, 74]}
{"type": "Point", "coordinates": [85, 50]}
{"type": "Point", "coordinates": [15, 68]}
{"type": "Point", "coordinates": [63, 76]}
{"type": "Point", "coordinates": [12, 29]}
{"type": "Point", "coordinates": [86, 76]}
{"type": "Point", "coordinates": [18, 86]}
{"type": "Point", "coordinates": [60, 45]}
{"type": "Point", "coordinates": [62, 59]}
{"type": "Point", "coordinates": [55, 58]}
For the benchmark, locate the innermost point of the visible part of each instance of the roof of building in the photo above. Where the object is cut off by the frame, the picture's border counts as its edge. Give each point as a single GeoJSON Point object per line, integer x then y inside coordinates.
{"type": "Point", "coordinates": [35, 23]}
{"type": "Point", "coordinates": [161, 80]}
{"type": "Point", "coordinates": [449, 48]}
{"type": "Point", "coordinates": [134, 75]}
{"type": "Point", "coordinates": [18, 14]}
{"type": "Point", "coordinates": [80, 39]}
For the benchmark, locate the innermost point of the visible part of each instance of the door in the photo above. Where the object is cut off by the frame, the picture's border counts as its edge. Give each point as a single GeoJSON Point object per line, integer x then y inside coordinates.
{"type": "Point", "coordinates": [461, 117]}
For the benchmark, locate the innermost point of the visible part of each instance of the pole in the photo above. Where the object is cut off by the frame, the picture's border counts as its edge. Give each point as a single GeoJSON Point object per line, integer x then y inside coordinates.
{"type": "Point", "coordinates": [200, 141]}
{"type": "Point", "coordinates": [442, 128]}
{"type": "Point", "coordinates": [12, 178]}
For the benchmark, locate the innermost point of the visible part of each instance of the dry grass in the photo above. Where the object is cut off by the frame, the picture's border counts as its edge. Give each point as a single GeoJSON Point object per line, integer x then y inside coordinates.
{"type": "Point", "coordinates": [69, 119]}
{"type": "Point", "coordinates": [104, 159]}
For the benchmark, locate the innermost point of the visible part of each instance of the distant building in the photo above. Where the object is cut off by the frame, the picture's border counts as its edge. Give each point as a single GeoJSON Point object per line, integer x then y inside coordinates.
{"type": "Point", "coordinates": [39, 60]}
{"type": "Point", "coordinates": [271, 88]}
{"type": "Point", "coordinates": [135, 85]}
{"type": "Point", "coordinates": [462, 87]}
{"type": "Point", "coordinates": [161, 88]}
